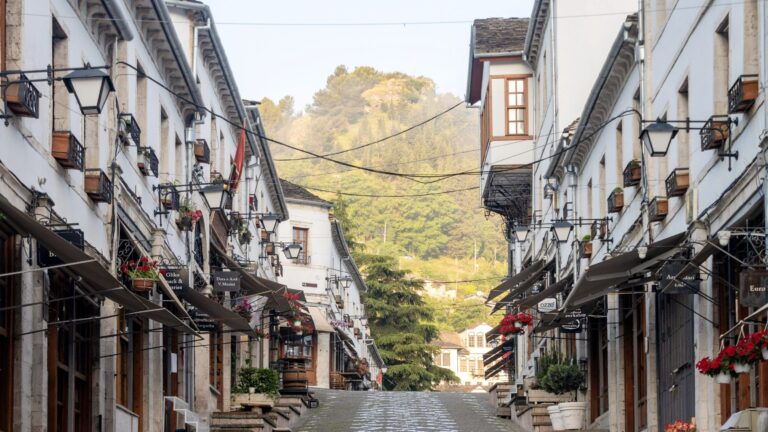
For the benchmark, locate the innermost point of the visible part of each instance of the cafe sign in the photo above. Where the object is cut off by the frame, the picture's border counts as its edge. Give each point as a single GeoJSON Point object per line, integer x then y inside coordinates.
{"type": "Point", "coordinates": [547, 305]}
{"type": "Point", "coordinates": [573, 321]}
{"type": "Point", "coordinates": [224, 281]}
{"type": "Point", "coordinates": [46, 258]}
{"type": "Point", "coordinates": [203, 322]}
{"type": "Point", "coordinates": [175, 277]}
{"type": "Point", "coordinates": [753, 288]}
{"type": "Point", "coordinates": [670, 283]}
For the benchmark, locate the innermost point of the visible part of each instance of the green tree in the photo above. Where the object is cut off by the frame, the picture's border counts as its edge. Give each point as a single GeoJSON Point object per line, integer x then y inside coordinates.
{"type": "Point", "coordinates": [400, 322]}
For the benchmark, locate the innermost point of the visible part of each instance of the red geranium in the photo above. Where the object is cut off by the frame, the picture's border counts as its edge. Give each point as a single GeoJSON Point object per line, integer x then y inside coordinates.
{"type": "Point", "coordinates": [142, 269]}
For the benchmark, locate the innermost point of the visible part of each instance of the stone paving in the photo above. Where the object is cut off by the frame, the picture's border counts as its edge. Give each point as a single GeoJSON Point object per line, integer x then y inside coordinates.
{"type": "Point", "coordinates": [342, 411]}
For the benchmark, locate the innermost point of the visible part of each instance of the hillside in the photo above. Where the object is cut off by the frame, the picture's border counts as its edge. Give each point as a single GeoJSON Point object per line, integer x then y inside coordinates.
{"type": "Point", "coordinates": [444, 237]}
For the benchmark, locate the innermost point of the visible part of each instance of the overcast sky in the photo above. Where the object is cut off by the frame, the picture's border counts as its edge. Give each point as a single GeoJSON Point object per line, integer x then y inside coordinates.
{"type": "Point", "coordinates": [273, 54]}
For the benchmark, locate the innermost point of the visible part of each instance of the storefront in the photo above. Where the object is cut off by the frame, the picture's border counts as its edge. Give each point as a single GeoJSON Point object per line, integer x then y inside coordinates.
{"type": "Point", "coordinates": [8, 287]}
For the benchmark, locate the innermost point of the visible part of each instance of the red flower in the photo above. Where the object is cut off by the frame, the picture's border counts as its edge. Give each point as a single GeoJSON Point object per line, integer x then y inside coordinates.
{"type": "Point", "coordinates": [730, 351]}
{"type": "Point", "coordinates": [144, 259]}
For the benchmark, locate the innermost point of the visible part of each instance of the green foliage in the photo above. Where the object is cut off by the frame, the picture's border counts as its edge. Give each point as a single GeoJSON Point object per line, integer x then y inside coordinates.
{"type": "Point", "coordinates": [263, 380]}
{"type": "Point", "coordinates": [562, 378]}
{"type": "Point", "coordinates": [546, 361]}
{"type": "Point", "coordinates": [400, 321]}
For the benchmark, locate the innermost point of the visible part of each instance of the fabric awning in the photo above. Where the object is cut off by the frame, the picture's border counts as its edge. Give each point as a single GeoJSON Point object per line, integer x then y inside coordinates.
{"type": "Point", "coordinates": [249, 283]}
{"type": "Point", "coordinates": [319, 321]}
{"type": "Point", "coordinates": [515, 280]}
{"type": "Point", "coordinates": [552, 289]}
{"type": "Point", "coordinates": [599, 278]}
{"type": "Point", "coordinates": [497, 368]}
{"type": "Point", "coordinates": [216, 311]}
{"type": "Point", "coordinates": [95, 277]}
{"type": "Point", "coordinates": [493, 333]}
{"type": "Point", "coordinates": [499, 350]}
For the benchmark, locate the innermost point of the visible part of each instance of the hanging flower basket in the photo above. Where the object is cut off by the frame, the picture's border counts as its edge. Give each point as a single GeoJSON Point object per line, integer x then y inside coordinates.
{"type": "Point", "coordinates": [718, 368]}
{"type": "Point", "coordinates": [515, 323]}
{"type": "Point", "coordinates": [723, 378]}
{"type": "Point", "coordinates": [143, 284]}
{"type": "Point", "coordinates": [244, 309]}
{"type": "Point", "coordinates": [143, 273]}
{"type": "Point", "coordinates": [188, 215]}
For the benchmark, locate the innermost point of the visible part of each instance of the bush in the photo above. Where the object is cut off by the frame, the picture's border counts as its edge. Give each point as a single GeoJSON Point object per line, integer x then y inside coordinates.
{"type": "Point", "coordinates": [546, 361]}
{"type": "Point", "coordinates": [262, 380]}
{"type": "Point", "coordinates": [562, 378]}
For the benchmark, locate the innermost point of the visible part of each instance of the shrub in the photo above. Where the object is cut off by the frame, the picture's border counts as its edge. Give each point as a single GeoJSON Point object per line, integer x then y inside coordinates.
{"type": "Point", "coordinates": [562, 378]}
{"type": "Point", "coordinates": [546, 361]}
{"type": "Point", "coordinates": [262, 380]}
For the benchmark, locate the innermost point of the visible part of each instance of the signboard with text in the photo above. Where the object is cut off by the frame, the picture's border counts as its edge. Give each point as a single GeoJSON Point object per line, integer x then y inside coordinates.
{"type": "Point", "coordinates": [46, 258]}
{"type": "Point", "coordinates": [547, 305]}
{"type": "Point", "coordinates": [226, 281]}
{"type": "Point", "coordinates": [573, 321]}
{"type": "Point", "coordinates": [753, 288]}
{"type": "Point", "coordinates": [175, 277]}
{"type": "Point", "coordinates": [670, 283]}
{"type": "Point", "coordinates": [202, 321]}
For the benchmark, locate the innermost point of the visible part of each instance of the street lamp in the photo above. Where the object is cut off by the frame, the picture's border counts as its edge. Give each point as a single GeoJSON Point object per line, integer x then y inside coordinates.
{"type": "Point", "coordinates": [657, 137]}
{"type": "Point", "coordinates": [217, 195]}
{"type": "Point", "coordinates": [269, 222]}
{"type": "Point", "coordinates": [562, 230]}
{"type": "Point", "coordinates": [521, 232]}
{"type": "Point", "coordinates": [345, 281]}
{"type": "Point", "coordinates": [724, 237]}
{"type": "Point", "coordinates": [91, 87]}
{"type": "Point", "coordinates": [642, 252]}
{"type": "Point", "coordinates": [292, 250]}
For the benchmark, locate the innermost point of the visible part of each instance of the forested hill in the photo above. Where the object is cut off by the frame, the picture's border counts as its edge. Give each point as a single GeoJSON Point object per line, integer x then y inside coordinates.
{"type": "Point", "coordinates": [364, 105]}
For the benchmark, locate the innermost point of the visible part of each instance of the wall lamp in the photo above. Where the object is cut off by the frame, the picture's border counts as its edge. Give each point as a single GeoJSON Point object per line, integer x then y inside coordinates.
{"type": "Point", "coordinates": [562, 229]}
{"type": "Point", "coordinates": [658, 135]}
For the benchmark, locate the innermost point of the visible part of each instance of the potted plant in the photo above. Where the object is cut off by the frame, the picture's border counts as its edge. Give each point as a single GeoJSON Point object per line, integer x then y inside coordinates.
{"type": "Point", "coordinates": [586, 246]}
{"type": "Point", "coordinates": [256, 387]}
{"type": "Point", "coordinates": [721, 370]}
{"type": "Point", "coordinates": [760, 339]}
{"type": "Point", "coordinates": [143, 273]}
{"type": "Point", "coordinates": [555, 417]}
{"type": "Point", "coordinates": [244, 309]}
{"type": "Point", "coordinates": [514, 323]}
{"type": "Point", "coordinates": [565, 378]}
{"type": "Point", "coordinates": [244, 235]}
{"type": "Point", "coordinates": [681, 426]}
{"type": "Point", "coordinates": [616, 200]}
{"type": "Point", "coordinates": [188, 215]}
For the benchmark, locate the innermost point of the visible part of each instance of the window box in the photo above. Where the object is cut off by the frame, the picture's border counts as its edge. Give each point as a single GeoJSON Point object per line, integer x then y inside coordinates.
{"type": "Point", "coordinates": [169, 196]}
{"type": "Point", "coordinates": [677, 182]}
{"type": "Point", "coordinates": [148, 162]}
{"type": "Point", "coordinates": [23, 98]}
{"type": "Point", "coordinates": [586, 249]}
{"type": "Point", "coordinates": [632, 173]}
{"type": "Point", "coordinates": [202, 151]}
{"type": "Point", "coordinates": [743, 93]}
{"type": "Point", "coordinates": [339, 301]}
{"type": "Point", "coordinates": [714, 133]}
{"type": "Point", "coordinates": [129, 127]}
{"type": "Point", "coordinates": [264, 235]}
{"type": "Point", "coordinates": [67, 150]}
{"type": "Point", "coordinates": [97, 185]}
{"type": "Point", "coordinates": [657, 209]}
{"type": "Point", "coordinates": [616, 201]}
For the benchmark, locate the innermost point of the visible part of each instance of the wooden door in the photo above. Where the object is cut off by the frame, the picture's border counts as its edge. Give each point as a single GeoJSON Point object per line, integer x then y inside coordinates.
{"type": "Point", "coordinates": [675, 357]}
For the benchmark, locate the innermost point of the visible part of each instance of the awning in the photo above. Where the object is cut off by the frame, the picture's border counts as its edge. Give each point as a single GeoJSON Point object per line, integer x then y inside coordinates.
{"type": "Point", "coordinates": [499, 350]}
{"type": "Point", "coordinates": [552, 289]}
{"type": "Point", "coordinates": [216, 311]}
{"type": "Point", "coordinates": [493, 333]}
{"type": "Point", "coordinates": [599, 278]}
{"type": "Point", "coordinates": [92, 274]}
{"type": "Point", "coordinates": [319, 321]}
{"type": "Point", "coordinates": [249, 283]}
{"type": "Point", "coordinates": [548, 321]}
{"type": "Point", "coordinates": [499, 366]}
{"type": "Point", "coordinates": [513, 281]}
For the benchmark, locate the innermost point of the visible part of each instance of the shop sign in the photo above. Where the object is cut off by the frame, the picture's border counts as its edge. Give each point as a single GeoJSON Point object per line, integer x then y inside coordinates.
{"type": "Point", "coordinates": [46, 258]}
{"type": "Point", "coordinates": [753, 288]}
{"type": "Point", "coordinates": [226, 281]}
{"type": "Point", "coordinates": [202, 321]}
{"type": "Point", "coordinates": [669, 284]}
{"type": "Point", "coordinates": [547, 305]}
{"type": "Point", "coordinates": [175, 276]}
{"type": "Point", "coordinates": [572, 321]}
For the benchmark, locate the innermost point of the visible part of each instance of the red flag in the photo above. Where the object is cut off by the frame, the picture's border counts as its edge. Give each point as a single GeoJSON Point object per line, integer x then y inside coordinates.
{"type": "Point", "coordinates": [237, 165]}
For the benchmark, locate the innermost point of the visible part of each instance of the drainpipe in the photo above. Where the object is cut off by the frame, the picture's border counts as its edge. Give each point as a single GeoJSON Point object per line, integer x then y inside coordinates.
{"type": "Point", "coordinates": [643, 108]}
{"type": "Point", "coordinates": [195, 43]}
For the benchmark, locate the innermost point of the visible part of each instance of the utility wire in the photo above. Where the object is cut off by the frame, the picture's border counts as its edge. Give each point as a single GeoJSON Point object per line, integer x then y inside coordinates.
{"type": "Point", "coordinates": [422, 123]}
{"type": "Point", "coordinates": [425, 194]}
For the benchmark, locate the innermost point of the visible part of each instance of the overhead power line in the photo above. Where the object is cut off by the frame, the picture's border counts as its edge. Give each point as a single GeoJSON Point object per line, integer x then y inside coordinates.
{"type": "Point", "coordinates": [425, 194]}
{"type": "Point", "coordinates": [380, 140]}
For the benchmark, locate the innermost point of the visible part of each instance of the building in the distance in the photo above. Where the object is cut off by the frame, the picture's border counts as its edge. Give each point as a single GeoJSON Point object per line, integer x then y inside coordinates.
{"type": "Point", "coordinates": [464, 352]}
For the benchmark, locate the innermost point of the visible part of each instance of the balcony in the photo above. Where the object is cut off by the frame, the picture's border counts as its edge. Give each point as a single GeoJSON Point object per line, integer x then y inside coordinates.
{"type": "Point", "coordinates": [657, 209]}
{"type": "Point", "coordinates": [202, 151]}
{"type": "Point", "coordinates": [743, 93]}
{"type": "Point", "coordinates": [616, 201]}
{"type": "Point", "coordinates": [632, 173]}
{"type": "Point", "coordinates": [714, 134]}
{"type": "Point", "coordinates": [97, 185]}
{"type": "Point", "coordinates": [148, 163]}
{"type": "Point", "coordinates": [128, 127]}
{"type": "Point", "coordinates": [22, 98]}
{"type": "Point", "coordinates": [67, 150]}
{"type": "Point", "coordinates": [677, 182]}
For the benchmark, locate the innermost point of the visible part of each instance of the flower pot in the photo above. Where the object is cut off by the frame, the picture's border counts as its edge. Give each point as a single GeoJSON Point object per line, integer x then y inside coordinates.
{"type": "Point", "coordinates": [555, 417]}
{"type": "Point", "coordinates": [518, 324]}
{"type": "Point", "coordinates": [143, 284]}
{"type": "Point", "coordinates": [184, 224]}
{"type": "Point", "coordinates": [296, 323]}
{"type": "Point", "coordinates": [572, 414]}
{"type": "Point", "coordinates": [741, 367]}
{"type": "Point", "coordinates": [764, 352]}
{"type": "Point", "coordinates": [723, 378]}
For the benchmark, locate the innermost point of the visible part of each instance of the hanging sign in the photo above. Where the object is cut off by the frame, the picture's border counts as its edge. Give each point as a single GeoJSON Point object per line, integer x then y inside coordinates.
{"type": "Point", "coordinates": [753, 288]}
{"type": "Point", "coordinates": [670, 284]}
{"type": "Point", "coordinates": [46, 258]}
{"type": "Point", "coordinates": [202, 321]}
{"type": "Point", "coordinates": [572, 321]}
{"type": "Point", "coordinates": [175, 277]}
{"type": "Point", "coordinates": [226, 281]}
{"type": "Point", "coordinates": [547, 305]}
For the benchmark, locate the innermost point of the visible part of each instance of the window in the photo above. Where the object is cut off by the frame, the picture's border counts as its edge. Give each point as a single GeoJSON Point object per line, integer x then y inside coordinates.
{"type": "Point", "coordinates": [485, 126]}
{"type": "Point", "coordinates": [301, 236]}
{"type": "Point", "coordinates": [463, 364]}
{"type": "Point", "coordinates": [590, 201]}
{"type": "Point", "coordinates": [446, 360]}
{"type": "Point", "coordinates": [598, 366]}
{"type": "Point", "coordinates": [603, 203]}
{"type": "Point", "coordinates": [517, 110]}
{"type": "Point", "coordinates": [751, 37]}
{"type": "Point", "coordinates": [682, 136]}
{"type": "Point", "coordinates": [620, 151]}
{"type": "Point", "coordinates": [216, 363]}
{"type": "Point", "coordinates": [471, 340]}
{"type": "Point", "coordinates": [59, 94]}
{"type": "Point", "coordinates": [179, 156]}
{"type": "Point", "coordinates": [722, 67]}
{"type": "Point", "coordinates": [129, 371]}
{"type": "Point", "coordinates": [165, 150]}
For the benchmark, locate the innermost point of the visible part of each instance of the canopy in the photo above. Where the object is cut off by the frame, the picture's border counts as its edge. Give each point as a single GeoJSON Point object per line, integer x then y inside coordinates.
{"type": "Point", "coordinates": [97, 278]}
{"type": "Point", "coordinates": [216, 311]}
{"type": "Point", "coordinates": [319, 321]}
{"type": "Point", "coordinates": [515, 280]}
{"type": "Point", "coordinates": [552, 289]}
{"type": "Point", "coordinates": [600, 278]}
{"type": "Point", "coordinates": [499, 350]}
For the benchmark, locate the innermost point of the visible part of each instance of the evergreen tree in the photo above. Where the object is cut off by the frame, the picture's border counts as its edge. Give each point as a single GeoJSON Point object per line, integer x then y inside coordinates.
{"type": "Point", "coordinates": [400, 322]}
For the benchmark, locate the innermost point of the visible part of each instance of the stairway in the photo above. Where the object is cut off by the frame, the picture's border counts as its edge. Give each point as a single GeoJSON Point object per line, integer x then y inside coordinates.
{"type": "Point", "coordinates": [190, 417]}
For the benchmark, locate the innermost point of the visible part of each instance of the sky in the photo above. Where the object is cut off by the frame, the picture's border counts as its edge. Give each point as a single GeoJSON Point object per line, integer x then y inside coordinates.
{"type": "Point", "coordinates": [273, 53]}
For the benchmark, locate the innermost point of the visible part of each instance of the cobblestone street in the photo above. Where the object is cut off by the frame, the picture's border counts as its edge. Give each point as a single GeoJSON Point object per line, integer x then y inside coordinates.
{"type": "Point", "coordinates": [342, 411]}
